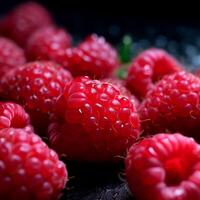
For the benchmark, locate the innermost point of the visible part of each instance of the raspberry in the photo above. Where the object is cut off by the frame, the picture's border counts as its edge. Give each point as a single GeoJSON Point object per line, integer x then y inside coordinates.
{"type": "Point", "coordinates": [36, 86]}
{"type": "Point", "coordinates": [28, 168]}
{"type": "Point", "coordinates": [149, 67]}
{"type": "Point", "coordinates": [123, 90]}
{"type": "Point", "coordinates": [164, 167]}
{"type": "Point", "coordinates": [96, 122]}
{"type": "Point", "coordinates": [48, 42]}
{"type": "Point", "coordinates": [93, 57]}
{"type": "Point", "coordinates": [23, 20]}
{"type": "Point", "coordinates": [173, 105]}
{"type": "Point", "coordinates": [197, 72]}
{"type": "Point", "coordinates": [10, 55]}
{"type": "Point", "coordinates": [13, 115]}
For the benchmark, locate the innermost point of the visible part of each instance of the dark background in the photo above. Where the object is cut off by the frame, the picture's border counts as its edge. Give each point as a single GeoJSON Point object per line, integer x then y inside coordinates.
{"type": "Point", "coordinates": [117, 18]}
{"type": "Point", "coordinates": [174, 26]}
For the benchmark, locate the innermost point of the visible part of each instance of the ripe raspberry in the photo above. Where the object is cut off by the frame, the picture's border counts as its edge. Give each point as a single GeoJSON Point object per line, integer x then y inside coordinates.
{"type": "Point", "coordinates": [11, 55]}
{"type": "Point", "coordinates": [123, 90]}
{"type": "Point", "coordinates": [197, 72]}
{"type": "Point", "coordinates": [173, 105]}
{"type": "Point", "coordinates": [96, 122]}
{"type": "Point", "coordinates": [149, 67]}
{"type": "Point", "coordinates": [48, 42]}
{"type": "Point", "coordinates": [164, 167]}
{"type": "Point", "coordinates": [28, 168]}
{"type": "Point", "coordinates": [23, 20]}
{"type": "Point", "coordinates": [13, 115]}
{"type": "Point", "coordinates": [36, 86]}
{"type": "Point", "coordinates": [93, 57]}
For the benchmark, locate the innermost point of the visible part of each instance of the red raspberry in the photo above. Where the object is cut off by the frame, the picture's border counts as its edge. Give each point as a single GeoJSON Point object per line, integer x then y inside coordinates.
{"type": "Point", "coordinates": [123, 90]}
{"type": "Point", "coordinates": [13, 115]}
{"type": "Point", "coordinates": [28, 168]}
{"type": "Point", "coordinates": [164, 167]}
{"type": "Point", "coordinates": [149, 67]}
{"type": "Point", "coordinates": [36, 86]}
{"type": "Point", "coordinates": [96, 122]}
{"type": "Point", "coordinates": [197, 72]}
{"type": "Point", "coordinates": [10, 55]}
{"type": "Point", "coordinates": [48, 42]}
{"type": "Point", "coordinates": [93, 57]}
{"type": "Point", "coordinates": [23, 20]}
{"type": "Point", "coordinates": [173, 105]}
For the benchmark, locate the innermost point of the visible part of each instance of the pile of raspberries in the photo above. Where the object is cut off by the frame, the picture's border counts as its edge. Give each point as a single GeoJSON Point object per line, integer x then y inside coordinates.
{"type": "Point", "coordinates": [58, 99]}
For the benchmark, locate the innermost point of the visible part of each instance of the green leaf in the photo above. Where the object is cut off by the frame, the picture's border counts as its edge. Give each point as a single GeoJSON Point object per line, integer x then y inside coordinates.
{"type": "Point", "coordinates": [125, 49]}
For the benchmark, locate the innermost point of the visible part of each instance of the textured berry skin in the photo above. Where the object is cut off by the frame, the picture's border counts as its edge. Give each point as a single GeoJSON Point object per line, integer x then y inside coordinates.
{"type": "Point", "coordinates": [93, 57]}
{"type": "Point", "coordinates": [164, 167]}
{"type": "Point", "coordinates": [13, 115]}
{"type": "Point", "coordinates": [29, 169]}
{"type": "Point", "coordinates": [23, 20]}
{"type": "Point", "coordinates": [47, 43]}
{"type": "Point", "coordinates": [36, 86]}
{"type": "Point", "coordinates": [197, 72]}
{"type": "Point", "coordinates": [173, 105]}
{"type": "Point", "coordinates": [149, 67]}
{"type": "Point", "coordinates": [120, 84]}
{"type": "Point", "coordinates": [11, 55]}
{"type": "Point", "coordinates": [96, 122]}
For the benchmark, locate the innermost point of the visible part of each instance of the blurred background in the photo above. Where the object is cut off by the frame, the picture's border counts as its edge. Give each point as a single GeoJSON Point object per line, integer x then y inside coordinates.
{"type": "Point", "coordinates": [174, 27]}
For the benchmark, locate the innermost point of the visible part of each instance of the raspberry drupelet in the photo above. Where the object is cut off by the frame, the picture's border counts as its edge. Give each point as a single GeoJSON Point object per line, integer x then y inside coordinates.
{"type": "Point", "coordinates": [13, 115]}
{"type": "Point", "coordinates": [120, 84]}
{"type": "Point", "coordinates": [173, 106]}
{"type": "Point", "coordinates": [164, 167]}
{"type": "Point", "coordinates": [96, 122]}
{"type": "Point", "coordinates": [11, 56]}
{"type": "Point", "coordinates": [36, 86]}
{"type": "Point", "coordinates": [23, 20]}
{"type": "Point", "coordinates": [47, 43]}
{"type": "Point", "coordinates": [29, 170]}
{"type": "Point", "coordinates": [93, 57]}
{"type": "Point", "coordinates": [149, 67]}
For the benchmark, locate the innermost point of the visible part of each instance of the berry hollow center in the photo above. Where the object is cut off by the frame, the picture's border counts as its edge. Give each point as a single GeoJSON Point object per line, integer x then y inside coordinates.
{"type": "Point", "coordinates": [177, 170]}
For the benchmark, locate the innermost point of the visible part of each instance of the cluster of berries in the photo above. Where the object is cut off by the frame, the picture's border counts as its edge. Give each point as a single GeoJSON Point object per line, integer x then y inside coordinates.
{"type": "Point", "coordinates": [71, 95]}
